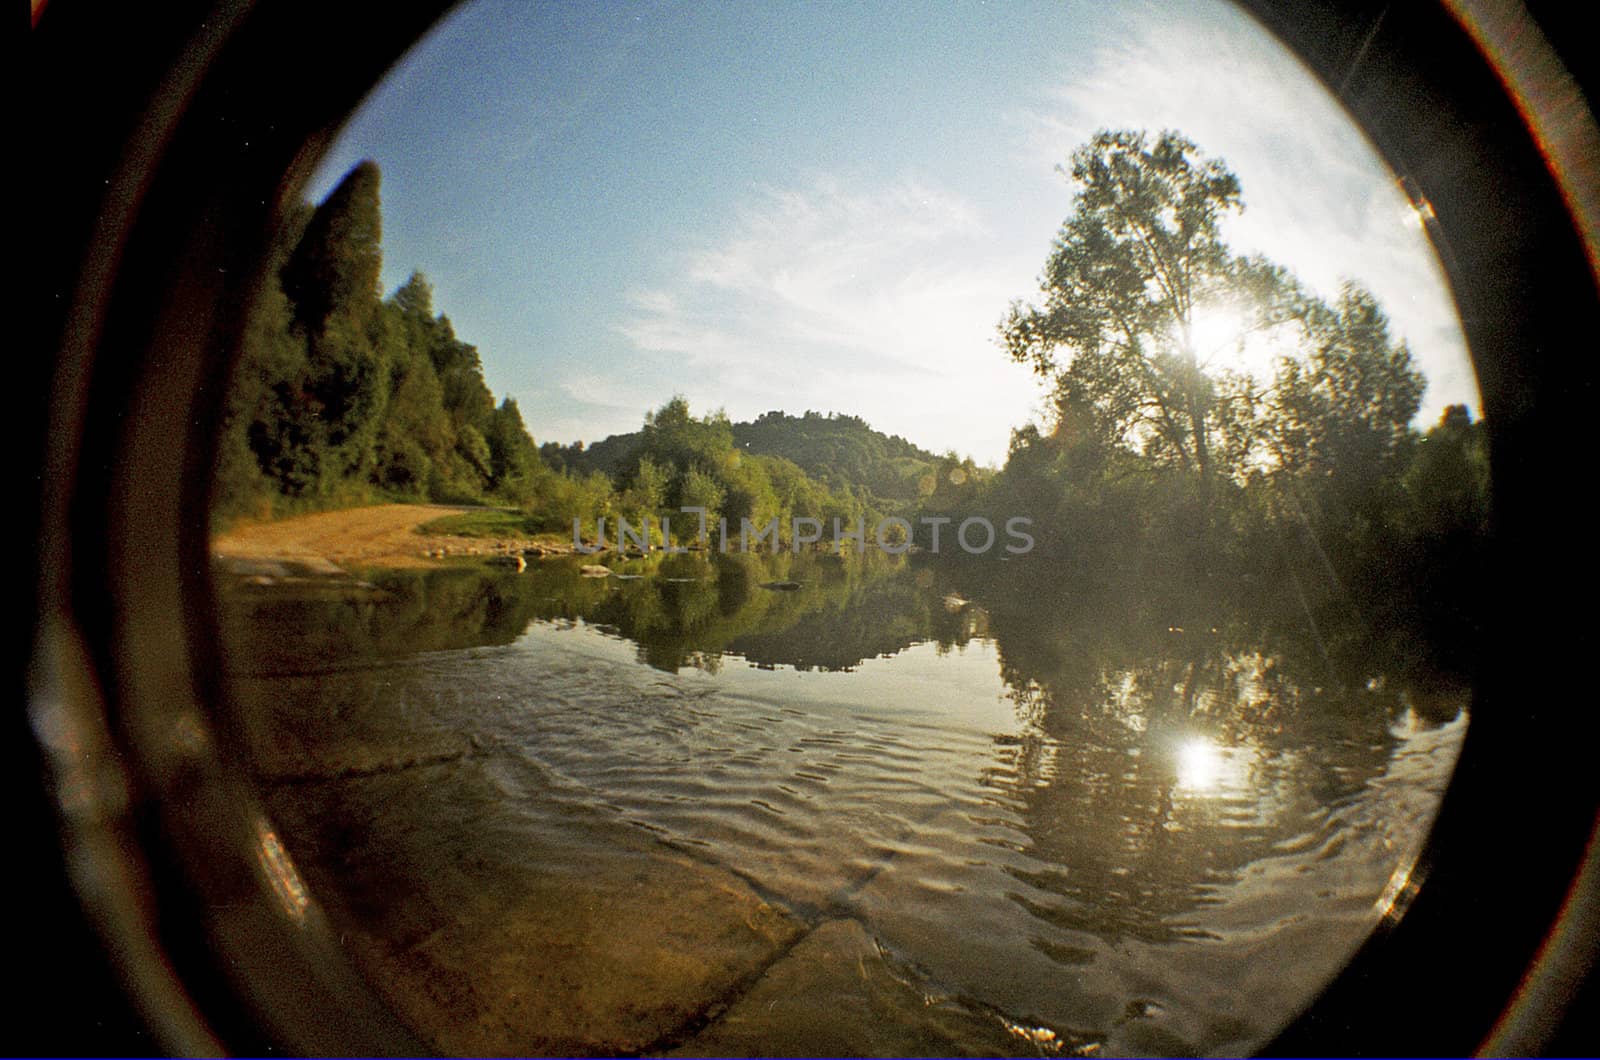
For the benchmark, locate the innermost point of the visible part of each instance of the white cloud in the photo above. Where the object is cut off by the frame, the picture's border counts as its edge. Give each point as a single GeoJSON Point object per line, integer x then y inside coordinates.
{"type": "Point", "coordinates": [876, 301]}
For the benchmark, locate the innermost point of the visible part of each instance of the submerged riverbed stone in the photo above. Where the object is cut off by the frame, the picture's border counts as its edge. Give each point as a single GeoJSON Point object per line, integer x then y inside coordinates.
{"type": "Point", "coordinates": [874, 1009]}
{"type": "Point", "coordinates": [499, 915]}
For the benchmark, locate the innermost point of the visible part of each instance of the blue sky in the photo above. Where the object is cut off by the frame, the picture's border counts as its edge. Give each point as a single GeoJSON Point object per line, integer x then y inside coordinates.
{"type": "Point", "coordinates": [829, 206]}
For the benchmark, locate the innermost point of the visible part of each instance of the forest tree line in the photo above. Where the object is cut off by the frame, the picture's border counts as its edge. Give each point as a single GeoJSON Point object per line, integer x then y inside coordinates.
{"type": "Point", "coordinates": [342, 397]}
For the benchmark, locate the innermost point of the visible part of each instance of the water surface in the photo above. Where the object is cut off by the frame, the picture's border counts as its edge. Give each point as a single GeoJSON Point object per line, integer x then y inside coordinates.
{"type": "Point", "coordinates": [900, 808]}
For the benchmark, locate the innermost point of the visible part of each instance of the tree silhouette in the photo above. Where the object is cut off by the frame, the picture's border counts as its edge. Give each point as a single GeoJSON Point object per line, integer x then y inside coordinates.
{"type": "Point", "coordinates": [1135, 268]}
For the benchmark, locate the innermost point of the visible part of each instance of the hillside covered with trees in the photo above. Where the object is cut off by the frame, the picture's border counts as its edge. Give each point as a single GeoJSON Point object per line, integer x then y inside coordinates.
{"type": "Point", "coordinates": [843, 451]}
{"type": "Point", "coordinates": [342, 396]}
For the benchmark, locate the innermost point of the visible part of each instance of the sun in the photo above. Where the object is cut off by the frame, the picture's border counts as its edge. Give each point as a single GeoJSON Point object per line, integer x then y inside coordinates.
{"type": "Point", "coordinates": [1216, 328]}
{"type": "Point", "coordinates": [1225, 338]}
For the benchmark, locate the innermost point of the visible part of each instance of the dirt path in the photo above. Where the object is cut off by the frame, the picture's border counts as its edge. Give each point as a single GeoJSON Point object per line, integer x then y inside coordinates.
{"type": "Point", "coordinates": [384, 535]}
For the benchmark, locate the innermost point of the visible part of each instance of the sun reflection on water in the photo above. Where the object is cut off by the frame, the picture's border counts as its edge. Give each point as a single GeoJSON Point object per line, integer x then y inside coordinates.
{"type": "Point", "coordinates": [1200, 765]}
{"type": "Point", "coordinates": [1207, 768]}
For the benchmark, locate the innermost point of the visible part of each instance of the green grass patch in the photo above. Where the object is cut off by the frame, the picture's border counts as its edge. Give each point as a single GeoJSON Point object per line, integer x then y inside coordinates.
{"type": "Point", "coordinates": [490, 522]}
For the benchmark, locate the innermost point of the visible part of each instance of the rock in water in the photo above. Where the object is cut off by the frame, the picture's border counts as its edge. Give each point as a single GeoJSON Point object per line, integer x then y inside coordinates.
{"type": "Point", "coordinates": [783, 586]}
{"type": "Point", "coordinates": [594, 570]}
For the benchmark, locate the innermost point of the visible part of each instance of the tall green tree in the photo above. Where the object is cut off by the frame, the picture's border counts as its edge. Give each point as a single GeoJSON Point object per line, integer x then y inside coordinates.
{"type": "Point", "coordinates": [513, 458]}
{"type": "Point", "coordinates": [331, 280]}
{"type": "Point", "coordinates": [1339, 423]}
{"type": "Point", "coordinates": [336, 265]}
{"type": "Point", "coordinates": [1349, 404]}
{"type": "Point", "coordinates": [1133, 271]}
{"type": "Point", "coordinates": [416, 438]}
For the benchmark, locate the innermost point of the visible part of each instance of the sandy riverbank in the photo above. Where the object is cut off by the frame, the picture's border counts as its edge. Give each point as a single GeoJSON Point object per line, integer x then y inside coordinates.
{"type": "Point", "coordinates": [383, 535]}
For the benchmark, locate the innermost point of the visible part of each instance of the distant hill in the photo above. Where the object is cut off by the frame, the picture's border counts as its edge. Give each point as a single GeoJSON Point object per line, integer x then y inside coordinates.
{"type": "Point", "coordinates": [609, 456]}
{"type": "Point", "coordinates": [838, 449]}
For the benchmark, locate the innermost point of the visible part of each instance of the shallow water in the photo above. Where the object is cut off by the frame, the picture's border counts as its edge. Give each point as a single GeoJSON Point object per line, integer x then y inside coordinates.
{"type": "Point", "coordinates": [683, 812]}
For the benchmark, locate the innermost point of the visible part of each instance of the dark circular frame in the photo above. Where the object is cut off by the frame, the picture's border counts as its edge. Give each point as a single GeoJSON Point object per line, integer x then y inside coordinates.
{"type": "Point", "coordinates": [163, 142]}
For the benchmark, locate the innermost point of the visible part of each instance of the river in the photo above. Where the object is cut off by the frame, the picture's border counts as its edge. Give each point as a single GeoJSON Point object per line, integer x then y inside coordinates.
{"type": "Point", "coordinates": [814, 805]}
